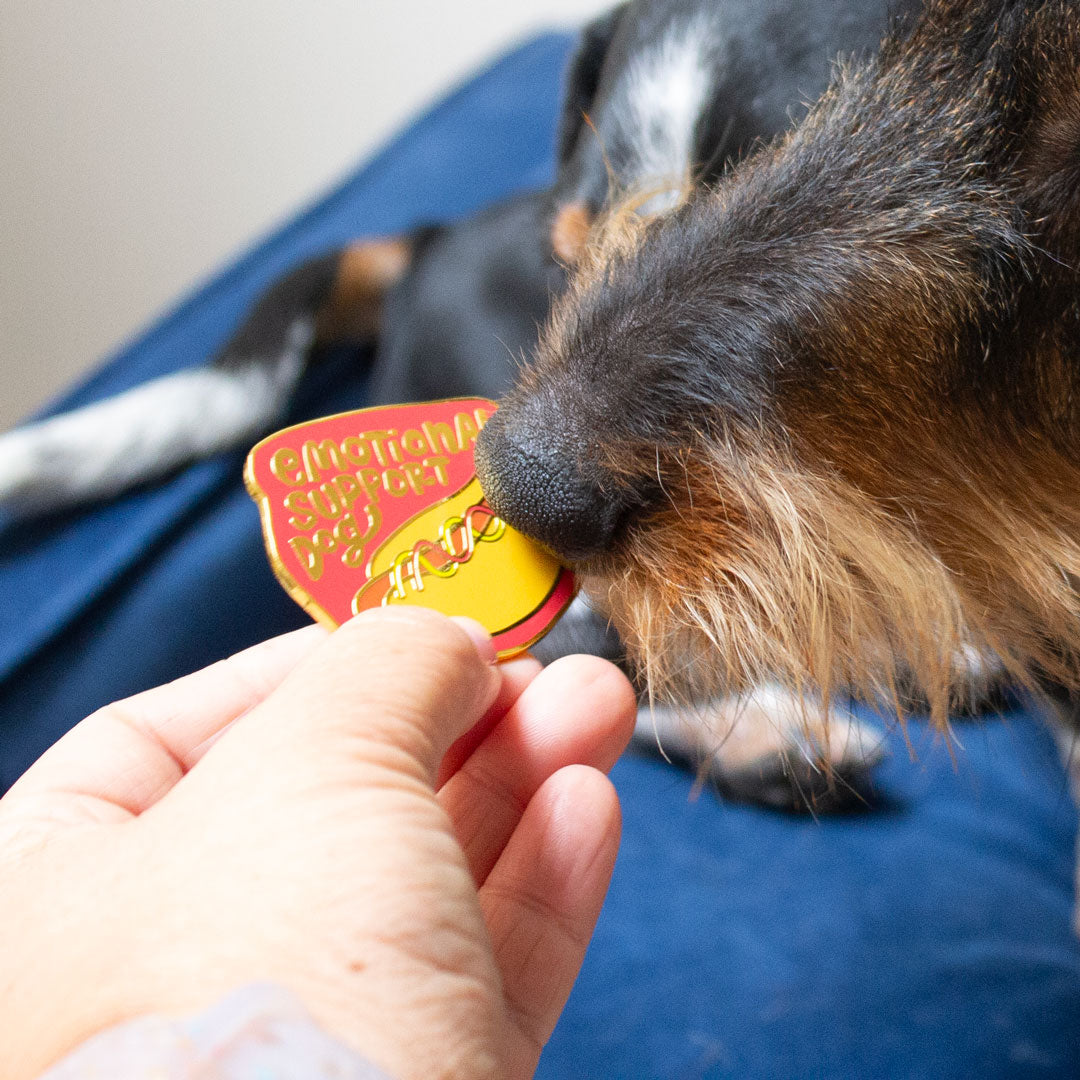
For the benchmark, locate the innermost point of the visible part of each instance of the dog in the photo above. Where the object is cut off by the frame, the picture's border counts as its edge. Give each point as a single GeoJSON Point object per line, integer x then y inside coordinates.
{"type": "Point", "coordinates": [659, 96]}
{"type": "Point", "coordinates": [819, 425]}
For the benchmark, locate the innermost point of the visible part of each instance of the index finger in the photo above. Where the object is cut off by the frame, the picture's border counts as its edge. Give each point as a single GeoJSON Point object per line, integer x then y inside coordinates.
{"type": "Point", "coordinates": [127, 755]}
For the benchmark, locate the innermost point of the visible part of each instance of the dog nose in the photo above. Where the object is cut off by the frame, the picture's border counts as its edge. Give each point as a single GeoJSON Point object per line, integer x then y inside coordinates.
{"type": "Point", "coordinates": [536, 485]}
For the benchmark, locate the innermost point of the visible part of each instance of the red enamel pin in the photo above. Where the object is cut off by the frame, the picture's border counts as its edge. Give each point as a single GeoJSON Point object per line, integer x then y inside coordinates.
{"type": "Point", "coordinates": [382, 506]}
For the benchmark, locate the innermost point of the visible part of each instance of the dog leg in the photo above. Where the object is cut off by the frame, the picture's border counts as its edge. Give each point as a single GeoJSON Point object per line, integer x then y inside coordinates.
{"type": "Point", "coordinates": [106, 448]}
{"type": "Point", "coordinates": [770, 748]}
{"type": "Point", "coordinates": [767, 748]}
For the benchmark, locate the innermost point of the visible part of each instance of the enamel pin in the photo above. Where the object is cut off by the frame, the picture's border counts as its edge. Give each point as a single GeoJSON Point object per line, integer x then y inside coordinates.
{"type": "Point", "coordinates": [382, 506]}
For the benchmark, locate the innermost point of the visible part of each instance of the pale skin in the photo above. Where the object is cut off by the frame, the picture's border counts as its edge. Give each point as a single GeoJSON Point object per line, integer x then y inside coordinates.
{"type": "Point", "coordinates": [414, 840]}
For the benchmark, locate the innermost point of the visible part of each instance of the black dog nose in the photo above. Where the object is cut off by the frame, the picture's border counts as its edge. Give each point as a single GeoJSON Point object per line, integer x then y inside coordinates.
{"type": "Point", "coordinates": [534, 482]}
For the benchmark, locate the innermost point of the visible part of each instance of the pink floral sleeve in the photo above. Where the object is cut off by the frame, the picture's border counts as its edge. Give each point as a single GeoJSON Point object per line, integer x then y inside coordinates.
{"type": "Point", "coordinates": [259, 1032]}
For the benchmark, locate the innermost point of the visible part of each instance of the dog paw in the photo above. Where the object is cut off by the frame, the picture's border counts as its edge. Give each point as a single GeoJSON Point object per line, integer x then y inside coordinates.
{"type": "Point", "coordinates": [771, 748]}
{"type": "Point", "coordinates": [981, 683]}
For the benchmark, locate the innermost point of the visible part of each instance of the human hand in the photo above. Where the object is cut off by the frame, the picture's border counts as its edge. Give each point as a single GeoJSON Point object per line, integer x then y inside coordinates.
{"type": "Point", "coordinates": [275, 817]}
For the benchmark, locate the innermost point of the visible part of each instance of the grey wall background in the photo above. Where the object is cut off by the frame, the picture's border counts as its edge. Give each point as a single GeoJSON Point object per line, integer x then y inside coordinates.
{"type": "Point", "coordinates": [142, 142]}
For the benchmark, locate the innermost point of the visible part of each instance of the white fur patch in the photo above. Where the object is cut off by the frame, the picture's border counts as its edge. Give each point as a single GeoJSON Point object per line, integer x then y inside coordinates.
{"type": "Point", "coordinates": [106, 448]}
{"type": "Point", "coordinates": [666, 88]}
{"type": "Point", "coordinates": [740, 733]}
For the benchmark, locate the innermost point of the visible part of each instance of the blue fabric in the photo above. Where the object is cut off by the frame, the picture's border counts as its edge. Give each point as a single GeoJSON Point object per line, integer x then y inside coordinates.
{"type": "Point", "coordinates": [927, 939]}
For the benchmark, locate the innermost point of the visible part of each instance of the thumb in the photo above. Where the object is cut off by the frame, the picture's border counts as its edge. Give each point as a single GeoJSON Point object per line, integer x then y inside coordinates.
{"type": "Point", "coordinates": [391, 686]}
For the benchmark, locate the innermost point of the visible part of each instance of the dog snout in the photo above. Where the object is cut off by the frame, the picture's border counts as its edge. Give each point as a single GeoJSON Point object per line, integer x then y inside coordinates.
{"type": "Point", "coordinates": [538, 484]}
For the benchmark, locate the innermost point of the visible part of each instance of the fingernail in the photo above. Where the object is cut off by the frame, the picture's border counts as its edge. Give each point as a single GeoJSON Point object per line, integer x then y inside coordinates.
{"type": "Point", "coordinates": [479, 636]}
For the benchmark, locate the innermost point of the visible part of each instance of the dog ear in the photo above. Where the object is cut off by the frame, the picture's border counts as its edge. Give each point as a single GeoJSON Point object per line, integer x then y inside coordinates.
{"type": "Point", "coordinates": [583, 76]}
